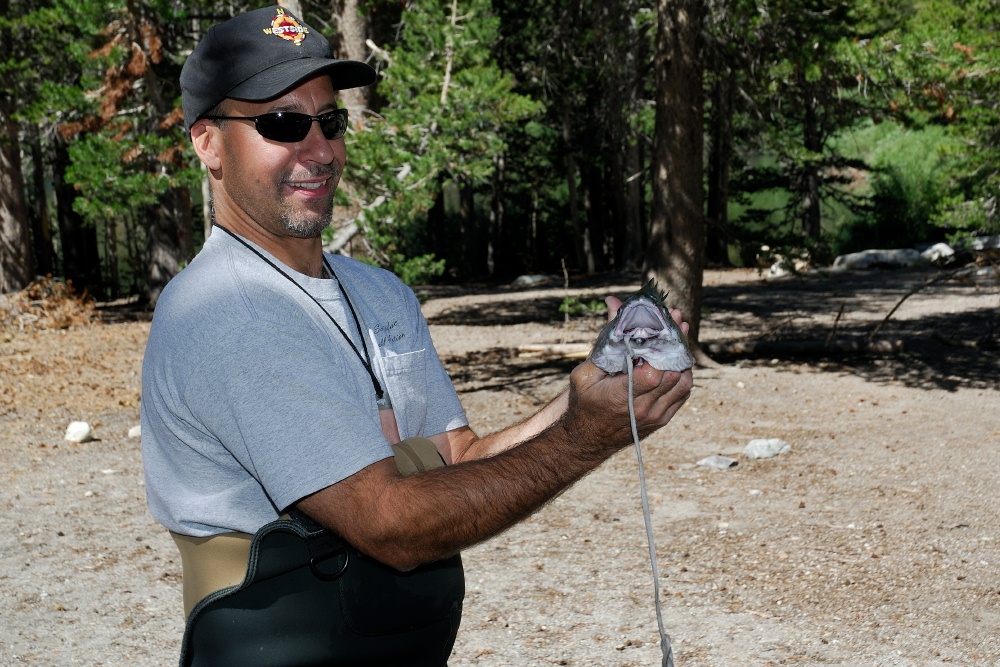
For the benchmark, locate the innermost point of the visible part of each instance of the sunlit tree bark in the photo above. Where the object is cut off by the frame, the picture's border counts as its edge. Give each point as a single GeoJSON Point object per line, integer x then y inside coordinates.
{"type": "Point", "coordinates": [676, 252]}
{"type": "Point", "coordinates": [15, 245]}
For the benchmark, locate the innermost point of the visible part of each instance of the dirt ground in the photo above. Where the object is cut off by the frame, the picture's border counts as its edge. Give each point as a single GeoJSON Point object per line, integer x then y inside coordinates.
{"type": "Point", "coordinates": [874, 541]}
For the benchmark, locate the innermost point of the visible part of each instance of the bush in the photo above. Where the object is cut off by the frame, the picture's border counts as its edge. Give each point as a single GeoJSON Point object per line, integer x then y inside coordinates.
{"type": "Point", "coordinates": [907, 188]}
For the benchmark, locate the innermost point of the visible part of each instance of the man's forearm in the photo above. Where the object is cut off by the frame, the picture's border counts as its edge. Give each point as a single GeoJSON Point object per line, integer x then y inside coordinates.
{"type": "Point", "coordinates": [438, 513]}
{"type": "Point", "coordinates": [513, 435]}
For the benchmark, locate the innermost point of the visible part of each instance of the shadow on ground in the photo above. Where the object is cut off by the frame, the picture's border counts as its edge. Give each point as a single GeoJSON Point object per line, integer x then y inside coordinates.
{"type": "Point", "coordinates": [790, 322]}
{"type": "Point", "coordinates": [935, 350]}
{"type": "Point", "coordinates": [501, 369]}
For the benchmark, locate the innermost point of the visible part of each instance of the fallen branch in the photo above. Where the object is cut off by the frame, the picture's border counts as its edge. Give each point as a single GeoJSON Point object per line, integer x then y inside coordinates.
{"type": "Point", "coordinates": [833, 331]}
{"type": "Point", "coordinates": [927, 283]}
{"type": "Point", "coordinates": [558, 350]}
{"type": "Point", "coordinates": [342, 237]}
{"type": "Point", "coordinates": [975, 344]}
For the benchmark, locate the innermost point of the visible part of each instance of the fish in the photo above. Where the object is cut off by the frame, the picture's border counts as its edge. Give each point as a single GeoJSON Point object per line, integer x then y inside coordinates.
{"type": "Point", "coordinates": [644, 322]}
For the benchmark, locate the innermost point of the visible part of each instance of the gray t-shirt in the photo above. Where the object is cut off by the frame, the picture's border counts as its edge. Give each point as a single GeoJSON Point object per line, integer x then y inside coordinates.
{"type": "Point", "coordinates": [252, 399]}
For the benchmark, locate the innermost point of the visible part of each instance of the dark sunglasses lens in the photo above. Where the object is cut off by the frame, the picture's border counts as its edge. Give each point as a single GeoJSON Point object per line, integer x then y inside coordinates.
{"type": "Point", "coordinates": [289, 127]}
{"type": "Point", "coordinates": [333, 124]}
{"type": "Point", "coordinates": [284, 126]}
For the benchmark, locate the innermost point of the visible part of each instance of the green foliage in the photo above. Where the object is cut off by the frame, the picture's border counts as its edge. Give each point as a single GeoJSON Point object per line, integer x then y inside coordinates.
{"type": "Point", "coordinates": [927, 72]}
{"type": "Point", "coordinates": [901, 192]}
{"type": "Point", "coordinates": [419, 270]}
{"type": "Point", "coordinates": [574, 306]}
{"type": "Point", "coordinates": [115, 178]}
{"type": "Point", "coordinates": [446, 107]}
{"type": "Point", "coordinates": [806, 95]}
{"type": "Point", "coordinates": [942, 69]}
{"type": "Point", "coordinates": [887, 113]}
{"type": "Point", "coordinates": [52, 39]}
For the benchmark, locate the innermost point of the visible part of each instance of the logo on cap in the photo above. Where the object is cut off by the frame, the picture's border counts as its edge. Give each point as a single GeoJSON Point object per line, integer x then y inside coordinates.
{"type": "Point", "coordinates": [286, 27]}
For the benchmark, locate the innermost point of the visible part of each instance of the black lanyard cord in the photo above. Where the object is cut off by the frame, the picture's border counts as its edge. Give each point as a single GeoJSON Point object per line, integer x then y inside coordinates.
{"type": "Point", "coordinates": [365, 358]}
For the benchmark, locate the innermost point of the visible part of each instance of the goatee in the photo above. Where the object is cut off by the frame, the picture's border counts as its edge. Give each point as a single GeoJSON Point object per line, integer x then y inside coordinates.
{"type": "Point", "coordinates": [303, 225]}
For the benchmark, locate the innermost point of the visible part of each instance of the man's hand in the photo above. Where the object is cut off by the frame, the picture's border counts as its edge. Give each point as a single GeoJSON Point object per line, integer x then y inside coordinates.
{"type": "Point", "coordinates": [598, 412]}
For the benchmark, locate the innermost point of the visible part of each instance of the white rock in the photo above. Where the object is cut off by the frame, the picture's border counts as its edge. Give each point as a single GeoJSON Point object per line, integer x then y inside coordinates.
{"type": "Point", "coordinates": [983, 243]}
{"type": "Point", "coordinates": [765, 448]}
{"type": "Point", "coordinates": [534, 280]}
{"type": "Point", "coordinates": [879, 259]}
{"type": "Point", "coordinates": [938, 252]}
{"type": "Point", "coordinates": [79, 432]}
{"type": "Point", "coordinates": [135, 432]}
{"type": "Point", "coordinates": [780, 269]}
{"type": "Point", "coordinates": [718, 462]}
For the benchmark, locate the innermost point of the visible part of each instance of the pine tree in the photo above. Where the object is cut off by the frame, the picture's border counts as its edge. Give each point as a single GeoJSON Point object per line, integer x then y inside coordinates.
{"type": "Point", "coordinates": [446, 106]}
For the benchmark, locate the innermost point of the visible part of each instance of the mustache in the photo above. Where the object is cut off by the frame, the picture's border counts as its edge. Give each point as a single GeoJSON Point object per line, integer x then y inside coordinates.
{"type": "Point", "coordinates": [318, 171]}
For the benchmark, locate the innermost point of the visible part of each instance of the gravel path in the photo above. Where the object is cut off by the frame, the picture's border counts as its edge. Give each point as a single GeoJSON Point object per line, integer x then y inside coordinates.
{"type": "Point", "coordinates": [873, 542]}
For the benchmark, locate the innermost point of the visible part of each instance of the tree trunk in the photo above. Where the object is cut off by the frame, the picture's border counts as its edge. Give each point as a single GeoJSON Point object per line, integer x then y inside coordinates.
{"type": "Point", "coordinates": [169, 236]}
{"type": "Point", "coordinates": [675, 257]}
{"type": "Point", "coordinates": [719, 161]}
{"type": "Point", "coordinates": [627, 49]}
{"type": "Point", "coordinates": [594, 205]}
{"type": "Point", "coordinates": [581, 238]}
{"type": "Point", "coordinates": [354, 29]}
{"type": "Point", "coordinates": [81, 260]}
{"type": "Point", "coordinates": [495, 250]}
{"type": "Point", "coordinates": [16, 265]}
{"type": "Point", "coordinates": [114, 280]}
{"type": "Point", "coordinates": [531, 238]}
{"type": "Point", "coordinates": [294, 6]}
{"type": "Point", "coordinates": [633, 242]}
{"type": "Point", "coordinates": [41, 229]}
{"type": "Point", "coordinates": [619, 222]}
{"type": "Point", "coordinates": [436, 232]}
{"type": "Point", "coordinates": [811, 213]}
{"type": "Point", "coordinates": [467, 228]}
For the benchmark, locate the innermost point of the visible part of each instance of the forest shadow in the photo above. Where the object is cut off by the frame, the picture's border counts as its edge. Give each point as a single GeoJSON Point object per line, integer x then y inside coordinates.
{"type": "Point", "coordinates": [934, 351]}
{"type": "Point", "coordinates": [502, 369]}
{"type": "Point", "coordinates": [789, 320]}
{"type": "Point", "coordinates": [537, 310]}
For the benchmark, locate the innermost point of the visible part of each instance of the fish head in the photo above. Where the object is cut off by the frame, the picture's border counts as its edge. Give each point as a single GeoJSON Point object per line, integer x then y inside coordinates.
{"type": "Point", "coordinates": [642, 331]}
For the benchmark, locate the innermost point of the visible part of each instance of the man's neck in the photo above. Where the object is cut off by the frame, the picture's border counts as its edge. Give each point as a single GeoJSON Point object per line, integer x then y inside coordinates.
{"type": "Point", "coordinates": [304, 255]}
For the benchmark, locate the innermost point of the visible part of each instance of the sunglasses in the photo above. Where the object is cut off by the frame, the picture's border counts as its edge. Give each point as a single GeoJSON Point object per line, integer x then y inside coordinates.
{"type": "Point", "coordinates": [289, 127]}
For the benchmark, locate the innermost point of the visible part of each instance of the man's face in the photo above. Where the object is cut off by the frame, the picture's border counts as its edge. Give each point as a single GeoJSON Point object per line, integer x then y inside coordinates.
{"type": "Point", "coordinates": [285, 188]}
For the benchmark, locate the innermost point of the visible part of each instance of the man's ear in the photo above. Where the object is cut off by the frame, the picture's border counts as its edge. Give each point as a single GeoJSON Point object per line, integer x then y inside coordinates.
{"type": "Point", "coordinates": [205, 137]}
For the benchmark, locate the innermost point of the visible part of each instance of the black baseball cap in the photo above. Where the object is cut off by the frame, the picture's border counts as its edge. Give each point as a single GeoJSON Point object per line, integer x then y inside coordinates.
{"type": "Point", "coordinates": [257, 56]}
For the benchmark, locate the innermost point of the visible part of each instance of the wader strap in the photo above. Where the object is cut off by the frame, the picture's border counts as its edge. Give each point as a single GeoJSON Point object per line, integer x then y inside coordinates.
{"type": "Point", "coordinates": [416, 455]}
{"type": "Point", "coordinates": [209, 564]}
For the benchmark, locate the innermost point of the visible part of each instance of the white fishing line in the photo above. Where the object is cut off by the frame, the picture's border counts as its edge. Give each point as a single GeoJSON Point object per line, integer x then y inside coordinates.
{"type": "Point", "coordinates": [665, 648]}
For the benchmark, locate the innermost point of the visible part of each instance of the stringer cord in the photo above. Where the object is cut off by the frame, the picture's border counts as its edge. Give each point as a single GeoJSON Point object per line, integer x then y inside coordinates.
{"type": "Point", "coordinates": [665, 648]}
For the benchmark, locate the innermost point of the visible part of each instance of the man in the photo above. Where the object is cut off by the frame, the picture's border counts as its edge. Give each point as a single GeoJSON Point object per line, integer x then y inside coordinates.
{"type": "Point", "coordinates": [278, 380]}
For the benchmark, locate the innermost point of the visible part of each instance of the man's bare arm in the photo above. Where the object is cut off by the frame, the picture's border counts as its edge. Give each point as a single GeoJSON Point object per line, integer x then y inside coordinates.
{"type": "Point", "coordinates": [407, 521]}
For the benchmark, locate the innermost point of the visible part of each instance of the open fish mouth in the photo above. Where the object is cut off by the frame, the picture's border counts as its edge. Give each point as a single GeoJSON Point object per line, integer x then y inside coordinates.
{"type": "Point", "coordinates": [640, 322]}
